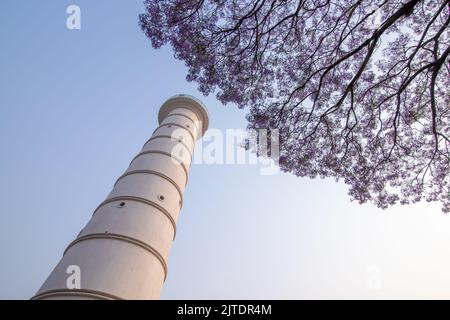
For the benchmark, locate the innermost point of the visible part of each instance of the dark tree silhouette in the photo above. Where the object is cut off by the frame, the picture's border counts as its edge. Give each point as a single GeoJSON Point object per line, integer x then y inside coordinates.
{"type": "Point", "coordinates": [359, 90]}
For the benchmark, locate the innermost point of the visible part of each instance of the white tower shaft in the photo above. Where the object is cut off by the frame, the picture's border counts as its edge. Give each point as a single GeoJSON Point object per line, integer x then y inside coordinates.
{"type": "Point", "coordinates": [122, 252]}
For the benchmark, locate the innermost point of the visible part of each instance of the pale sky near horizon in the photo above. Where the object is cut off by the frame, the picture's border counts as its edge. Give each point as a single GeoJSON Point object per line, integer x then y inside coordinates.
{"type": "Point", "coordinates": [77, 105]}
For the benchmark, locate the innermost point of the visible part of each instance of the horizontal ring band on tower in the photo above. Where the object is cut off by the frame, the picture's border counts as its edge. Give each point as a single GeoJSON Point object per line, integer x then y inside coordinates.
{"type": "Point", "coordinates": [172, 139]}
{"type": "Point", "coordinates": [176, 125]}
{"type": "Point", "coordinates": [199, 117]}
{"type": "Point", "coordinates": [142, 200]}
{"type": "Point", "coordinates": [156, 173]}
{"type": "Point", "coordinates": [166, 154]}
{"type": "Point", "coordinates": [181, 115]}
{"type": "Point", "coordinates": [76, 292]}
{"type": "Point", "coordinates": [124, 238]}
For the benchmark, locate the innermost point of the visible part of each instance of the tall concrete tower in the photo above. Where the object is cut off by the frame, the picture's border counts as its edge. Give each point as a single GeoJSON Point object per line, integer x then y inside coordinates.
{"type": "Point", "coordinates": [122, 252]}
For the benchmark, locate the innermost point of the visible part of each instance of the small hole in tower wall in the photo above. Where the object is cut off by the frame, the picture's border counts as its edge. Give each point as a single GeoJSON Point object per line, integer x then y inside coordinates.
{"type": "Point", "coordinates": [161, 198]}
{"type": "Point", "coordinates": [121, 205]}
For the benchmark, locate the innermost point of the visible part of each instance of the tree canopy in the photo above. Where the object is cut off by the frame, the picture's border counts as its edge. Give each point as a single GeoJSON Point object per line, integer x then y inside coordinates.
{"type": "Point", "coordinates": [359, 90]}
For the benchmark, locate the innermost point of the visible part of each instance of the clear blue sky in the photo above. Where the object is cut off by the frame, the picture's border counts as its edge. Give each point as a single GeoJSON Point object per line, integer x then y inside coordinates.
{"type": "Point", "coordinates": [76, 106]}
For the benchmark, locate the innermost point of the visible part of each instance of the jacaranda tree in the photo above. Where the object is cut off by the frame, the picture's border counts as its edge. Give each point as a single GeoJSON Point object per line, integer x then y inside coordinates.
{"type": "Point", "coordinates": [359, 90]}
